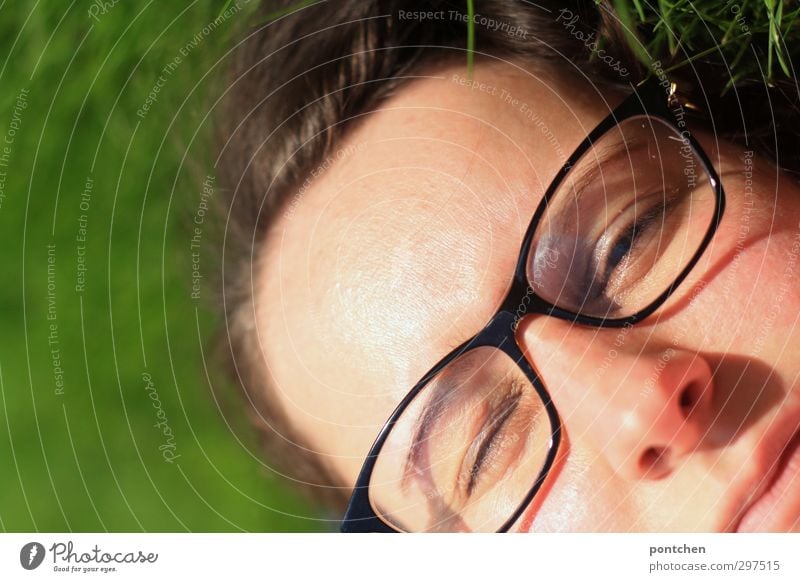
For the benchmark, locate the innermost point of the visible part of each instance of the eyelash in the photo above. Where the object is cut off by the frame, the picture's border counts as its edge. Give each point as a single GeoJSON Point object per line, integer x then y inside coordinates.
{"type": "Point", "coordinates": [639, 227]}
{"type": "Point", "coordinates": [490, 434]}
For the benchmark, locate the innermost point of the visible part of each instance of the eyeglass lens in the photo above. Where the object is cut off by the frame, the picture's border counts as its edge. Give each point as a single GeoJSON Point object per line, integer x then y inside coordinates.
{"type": "Point", "coordinates": [626, 220]}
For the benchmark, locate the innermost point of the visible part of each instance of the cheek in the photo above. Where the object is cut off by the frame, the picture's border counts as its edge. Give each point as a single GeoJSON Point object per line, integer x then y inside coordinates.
{"type": "Point", "coordinates": [759, 293]}
{"type": "Point", "coordinates": [584, 496]}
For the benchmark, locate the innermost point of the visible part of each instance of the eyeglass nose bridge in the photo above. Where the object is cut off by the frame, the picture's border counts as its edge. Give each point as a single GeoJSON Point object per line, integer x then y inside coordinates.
{"type": "Point", "coordinates": [501, 330]}
{"type": "Point", "coordinates": [522, 301]}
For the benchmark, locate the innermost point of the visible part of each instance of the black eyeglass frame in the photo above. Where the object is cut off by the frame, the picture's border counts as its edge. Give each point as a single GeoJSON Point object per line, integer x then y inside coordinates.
{"type": "Point", "coordinates": [649, 99]}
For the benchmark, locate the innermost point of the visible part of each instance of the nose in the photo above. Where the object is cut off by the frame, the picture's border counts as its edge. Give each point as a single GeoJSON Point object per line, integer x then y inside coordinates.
{"type": "Point", "coordinates": [643, 407]}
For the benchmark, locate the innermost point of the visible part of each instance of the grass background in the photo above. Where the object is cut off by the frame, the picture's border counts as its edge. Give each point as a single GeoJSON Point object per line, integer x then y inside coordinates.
{"type": "Point", "coordinates": [89, 459]}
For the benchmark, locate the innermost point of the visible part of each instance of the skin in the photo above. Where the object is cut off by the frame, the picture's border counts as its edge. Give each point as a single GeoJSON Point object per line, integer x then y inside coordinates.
{"type": "Point", "coordinates": [405, 245]}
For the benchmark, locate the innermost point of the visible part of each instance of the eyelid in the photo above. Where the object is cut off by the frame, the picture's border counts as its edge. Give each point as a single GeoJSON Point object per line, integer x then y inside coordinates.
{"type": "Point", "coordinates": [661, 205]}
{"type": "Point", "coordinates": [491, 430]}
{"type": "Point", "coordinates": [665, 204]}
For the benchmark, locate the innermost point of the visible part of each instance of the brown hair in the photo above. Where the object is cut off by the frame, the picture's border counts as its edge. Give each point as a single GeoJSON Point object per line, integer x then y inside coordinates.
{"type": "Point", "coordinates": [297, 85]}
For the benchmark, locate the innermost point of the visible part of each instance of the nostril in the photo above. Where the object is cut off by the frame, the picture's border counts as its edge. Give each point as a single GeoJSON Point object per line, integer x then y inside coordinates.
{"type": "Point", "coordinates": [689, 398]}
{"type": "Point", "coordinates": [654, 462]}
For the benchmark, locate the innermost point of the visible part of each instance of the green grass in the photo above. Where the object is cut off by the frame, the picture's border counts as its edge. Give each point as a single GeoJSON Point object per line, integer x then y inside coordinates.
{"type": "Point", "coordinates": [88, 459]}
{"type": "Point", "coordinates": [757, 39]}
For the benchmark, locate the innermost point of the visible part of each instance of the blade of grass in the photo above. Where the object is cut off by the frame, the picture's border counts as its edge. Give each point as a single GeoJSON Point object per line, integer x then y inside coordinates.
{"type": "Point", "coordinates": [770, 4]}
{"type": "Point", "coordinates": [288, 10]}
{"type": "Point", "coordinates": [669, 32]}
{"type": "Point", "coordinates": [700, 55]}
{"type": "Point", "coordinates": [638, 5]}
{"type": "Point", "coordinates": [778, 38]}
{"type": "Point", "coordinates": [629, 27]}
{"type": "Point", "coordinates": [224, 8]}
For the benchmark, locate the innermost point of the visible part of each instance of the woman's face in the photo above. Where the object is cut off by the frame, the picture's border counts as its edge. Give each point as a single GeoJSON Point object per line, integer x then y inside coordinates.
{"type": "Point", "coordinates": [401, 246]}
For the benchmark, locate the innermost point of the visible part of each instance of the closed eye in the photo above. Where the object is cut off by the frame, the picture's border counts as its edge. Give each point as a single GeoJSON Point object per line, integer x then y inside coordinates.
{"type": "Point", "coordinates": [488, 437]}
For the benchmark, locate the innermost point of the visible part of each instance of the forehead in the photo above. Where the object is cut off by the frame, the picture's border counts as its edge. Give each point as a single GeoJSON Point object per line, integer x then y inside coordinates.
{"type": "Point", "coordinates": [402, 243]}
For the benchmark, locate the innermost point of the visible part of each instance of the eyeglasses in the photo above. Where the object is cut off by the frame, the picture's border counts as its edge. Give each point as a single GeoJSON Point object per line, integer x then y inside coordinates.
{"type": "Point", "coordinates": [620, 227]}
